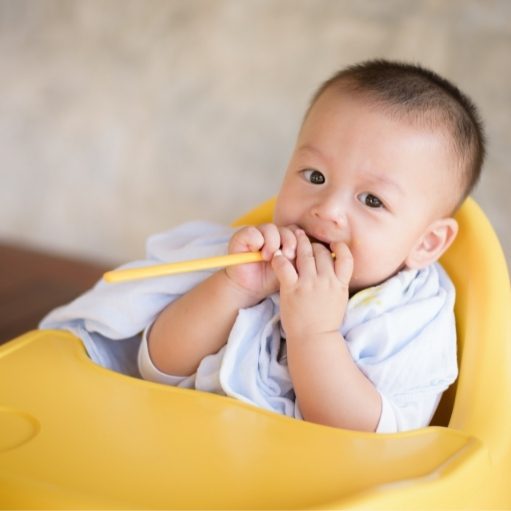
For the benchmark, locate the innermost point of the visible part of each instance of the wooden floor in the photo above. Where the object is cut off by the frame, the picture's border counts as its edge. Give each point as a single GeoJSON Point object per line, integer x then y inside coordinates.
{"type": "Point", "coordinates": [32, 283]}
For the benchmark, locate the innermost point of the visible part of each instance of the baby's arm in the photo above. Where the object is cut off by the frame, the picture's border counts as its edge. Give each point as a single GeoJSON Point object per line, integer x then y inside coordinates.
{"type": "Point", "coordinates": [329, 387]}
{"type": "Point", "coordinates": [199, 322]}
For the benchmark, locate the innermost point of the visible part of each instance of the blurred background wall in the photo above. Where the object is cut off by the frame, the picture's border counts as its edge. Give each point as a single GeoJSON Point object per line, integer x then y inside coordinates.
{"type": "Point", "coordinates": [121, 118]}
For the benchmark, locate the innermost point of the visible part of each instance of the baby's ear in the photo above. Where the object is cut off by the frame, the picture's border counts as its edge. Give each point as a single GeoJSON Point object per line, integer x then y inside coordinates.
{"type": "Point", "coordinates": [433, 243]}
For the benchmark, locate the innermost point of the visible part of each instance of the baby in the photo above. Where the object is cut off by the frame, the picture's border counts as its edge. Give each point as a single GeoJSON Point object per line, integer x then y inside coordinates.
{"type": "Point", "coordinates": [363, 336]}
{"type": "Point", "coordinates": [385, 155]}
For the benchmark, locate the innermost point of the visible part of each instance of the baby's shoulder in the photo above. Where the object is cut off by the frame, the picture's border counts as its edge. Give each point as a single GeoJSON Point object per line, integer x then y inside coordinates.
{"type": "Point", "coordinates": [414, 290]}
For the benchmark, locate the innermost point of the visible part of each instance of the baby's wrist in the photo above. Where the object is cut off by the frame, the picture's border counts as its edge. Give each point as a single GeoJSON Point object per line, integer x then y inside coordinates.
{"type": "Point", "coordinates": [304, 336]}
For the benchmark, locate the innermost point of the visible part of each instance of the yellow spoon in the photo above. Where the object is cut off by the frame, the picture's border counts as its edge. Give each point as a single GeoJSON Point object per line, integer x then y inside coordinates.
{"type": "Point", "coordinates": [159, 270]}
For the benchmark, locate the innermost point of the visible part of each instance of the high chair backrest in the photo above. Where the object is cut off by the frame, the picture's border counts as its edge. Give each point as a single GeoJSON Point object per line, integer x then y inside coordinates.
{"type": "Point", "coordinates": [476, 264]}
{"type": "Point", "coordinates": [480, 401]}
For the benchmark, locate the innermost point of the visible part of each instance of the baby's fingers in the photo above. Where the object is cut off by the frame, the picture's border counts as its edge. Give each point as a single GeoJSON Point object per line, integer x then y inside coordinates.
{"type": "Point", "coordinates": [271, 236]}
{"type": "Point", "coordinates": [305, 261]}
{"type": "Point", "coordinates": [288, 242]}
{"type": "Point", "coordinates": [343, 263]}
{"type": "Point", "coordinates": [247, 239]}
{"type": "Point", "coordinates": [284, 269]}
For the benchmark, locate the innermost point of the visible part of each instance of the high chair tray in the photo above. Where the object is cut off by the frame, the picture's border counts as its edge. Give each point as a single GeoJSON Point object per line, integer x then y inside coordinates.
{"type": "Point", "coordinates": [75, 435]}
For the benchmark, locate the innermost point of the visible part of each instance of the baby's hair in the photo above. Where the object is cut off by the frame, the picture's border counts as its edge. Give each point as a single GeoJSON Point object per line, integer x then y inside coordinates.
{"type": "Point", "coordinates": [422, 96]}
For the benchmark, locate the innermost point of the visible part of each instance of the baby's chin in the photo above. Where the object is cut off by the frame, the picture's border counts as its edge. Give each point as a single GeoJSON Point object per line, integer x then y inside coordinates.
{"type": "Point", "coordinates": [357, 287]}
{"type": "Point", "coordinates": [359, 283]}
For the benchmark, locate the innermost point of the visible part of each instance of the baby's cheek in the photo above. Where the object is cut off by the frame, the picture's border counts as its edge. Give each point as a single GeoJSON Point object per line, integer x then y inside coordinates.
{"type": "Point", "coordinates": [371, 265]}
{"type": "Point", "coordinates": [368, 266]}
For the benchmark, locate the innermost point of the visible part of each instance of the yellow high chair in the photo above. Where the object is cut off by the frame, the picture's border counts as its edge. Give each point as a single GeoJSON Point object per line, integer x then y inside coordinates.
{"type": "Point", "coordinates": [74, 435]}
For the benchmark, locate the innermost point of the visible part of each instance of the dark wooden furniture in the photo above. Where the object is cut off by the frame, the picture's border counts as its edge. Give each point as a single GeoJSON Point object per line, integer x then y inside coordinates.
{"type": "Point", "coordinates": [33, 282]}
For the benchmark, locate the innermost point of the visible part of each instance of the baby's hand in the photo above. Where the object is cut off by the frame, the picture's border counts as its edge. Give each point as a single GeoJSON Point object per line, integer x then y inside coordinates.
{"type": "Point", "coordinates": [313, 292]}
{"type": "Point", "coordinates": [258, 279]}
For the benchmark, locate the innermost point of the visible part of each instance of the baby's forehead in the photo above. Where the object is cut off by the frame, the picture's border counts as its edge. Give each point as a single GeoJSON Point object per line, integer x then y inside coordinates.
{"type": "Point", "coordinates": [339, 106]}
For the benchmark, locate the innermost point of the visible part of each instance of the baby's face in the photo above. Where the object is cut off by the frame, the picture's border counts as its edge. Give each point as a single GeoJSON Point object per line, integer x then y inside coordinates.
{"type": "Point", "coordinates": [360, 176]}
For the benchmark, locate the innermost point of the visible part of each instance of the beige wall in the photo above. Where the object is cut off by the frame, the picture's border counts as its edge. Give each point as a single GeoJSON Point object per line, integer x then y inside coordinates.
{"type": "Point", "coordinates": [120, 118]}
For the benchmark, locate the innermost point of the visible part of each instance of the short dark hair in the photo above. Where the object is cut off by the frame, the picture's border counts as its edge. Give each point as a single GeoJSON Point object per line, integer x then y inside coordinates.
{"type": "Point", "coordinates": [422, 95]}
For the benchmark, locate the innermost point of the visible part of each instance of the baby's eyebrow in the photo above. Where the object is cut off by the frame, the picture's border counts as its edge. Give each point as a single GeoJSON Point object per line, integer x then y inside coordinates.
{"type": "Point", "coordinates": [310, 149]}
{"type": "Point", "coordinates": [306, 148]}
{"type": "Point", "coordinates": [385, 181]}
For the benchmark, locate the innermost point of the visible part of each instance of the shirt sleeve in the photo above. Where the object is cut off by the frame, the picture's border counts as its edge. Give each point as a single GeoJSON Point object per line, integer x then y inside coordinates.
{"type": "Point", "coordinates": [416, 412]}
{"type": "Point", "coordinates": [150, 372]}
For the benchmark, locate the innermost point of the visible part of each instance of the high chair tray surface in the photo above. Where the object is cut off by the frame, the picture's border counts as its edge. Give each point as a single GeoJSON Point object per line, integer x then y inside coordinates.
{"type": "Point", "coordinates": [74, 435]}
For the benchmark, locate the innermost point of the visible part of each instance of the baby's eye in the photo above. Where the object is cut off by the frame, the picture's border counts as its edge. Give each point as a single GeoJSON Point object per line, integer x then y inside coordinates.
{"type": "Point", "coordinates": [314, 176]}
{"type": "Point", "coordinates": [370, 200]}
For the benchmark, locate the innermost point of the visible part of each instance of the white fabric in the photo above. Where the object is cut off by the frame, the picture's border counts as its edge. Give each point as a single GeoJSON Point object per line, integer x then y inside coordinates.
{"type": "Point", "coordinates": [401, 334]}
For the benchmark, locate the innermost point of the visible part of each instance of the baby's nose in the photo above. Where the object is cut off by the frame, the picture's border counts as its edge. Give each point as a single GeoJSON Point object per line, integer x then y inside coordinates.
{"type": "Point", "coordinates": [330, 210]}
